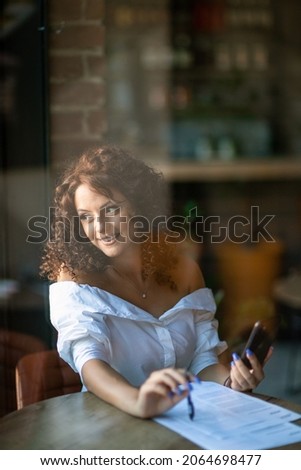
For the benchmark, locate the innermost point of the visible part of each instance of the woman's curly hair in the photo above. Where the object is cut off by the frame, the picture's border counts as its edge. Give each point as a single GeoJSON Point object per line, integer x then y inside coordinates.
{"type": "Point", "coordinates": [105, 169]}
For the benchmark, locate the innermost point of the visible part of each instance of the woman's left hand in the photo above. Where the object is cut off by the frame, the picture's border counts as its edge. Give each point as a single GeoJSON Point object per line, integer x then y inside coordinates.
{"type": "Point", "coordinates": [244, 379]}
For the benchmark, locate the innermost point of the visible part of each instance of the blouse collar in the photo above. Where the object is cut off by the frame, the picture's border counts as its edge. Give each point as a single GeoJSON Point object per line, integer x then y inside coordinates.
{"type": "Point", "coordinates": [200, 300]}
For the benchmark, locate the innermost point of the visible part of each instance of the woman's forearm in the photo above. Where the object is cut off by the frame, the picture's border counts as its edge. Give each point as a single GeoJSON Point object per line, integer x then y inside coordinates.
{"type": "Point", "coordinates": [104, 382]}
{"type": "Point", "coordinates": [215, 373]}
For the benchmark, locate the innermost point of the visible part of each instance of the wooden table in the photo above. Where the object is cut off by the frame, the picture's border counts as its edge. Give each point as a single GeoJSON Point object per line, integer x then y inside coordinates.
{"type": "Point", "coordinates": [82, 421]}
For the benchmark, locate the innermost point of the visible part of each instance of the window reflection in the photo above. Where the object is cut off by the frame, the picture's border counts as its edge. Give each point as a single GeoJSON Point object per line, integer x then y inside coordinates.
{"type": "Point", "coordinates": [24, 325]}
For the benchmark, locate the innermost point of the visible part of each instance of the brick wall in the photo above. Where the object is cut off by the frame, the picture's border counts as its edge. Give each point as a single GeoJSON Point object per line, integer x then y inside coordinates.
{"type": "Point", "coordinates": [76, 76]}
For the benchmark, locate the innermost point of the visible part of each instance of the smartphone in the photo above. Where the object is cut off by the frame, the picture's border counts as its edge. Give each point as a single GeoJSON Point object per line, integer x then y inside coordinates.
{"type": "Point", "coordinates": [259, 343]}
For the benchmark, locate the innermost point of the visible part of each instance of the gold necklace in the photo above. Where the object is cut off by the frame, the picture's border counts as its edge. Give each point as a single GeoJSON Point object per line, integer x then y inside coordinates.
{"type": "Point", "coordinates": [143, 294]}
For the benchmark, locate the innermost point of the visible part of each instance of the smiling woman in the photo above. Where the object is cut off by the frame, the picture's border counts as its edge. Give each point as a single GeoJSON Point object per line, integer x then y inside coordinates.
{"type": "Point", "coordinates": [104, 220]}
{"type": "Point", "coordinates": [132, 312]}
{"type": "Point", "coordinates": [104, 185]}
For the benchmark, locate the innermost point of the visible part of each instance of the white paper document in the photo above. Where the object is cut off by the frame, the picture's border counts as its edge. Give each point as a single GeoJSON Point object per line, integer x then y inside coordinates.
{"type": "Point", "coordinates": [225, 419]}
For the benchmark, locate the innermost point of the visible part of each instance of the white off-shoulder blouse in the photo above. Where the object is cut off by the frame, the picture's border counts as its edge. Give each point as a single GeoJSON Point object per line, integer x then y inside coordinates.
{"type": "Point", "coordinates": [95, 324]}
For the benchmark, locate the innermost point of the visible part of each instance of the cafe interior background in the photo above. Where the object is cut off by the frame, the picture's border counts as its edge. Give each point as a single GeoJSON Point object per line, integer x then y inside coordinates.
{"type": "Point", "coordinates": [207, 91]}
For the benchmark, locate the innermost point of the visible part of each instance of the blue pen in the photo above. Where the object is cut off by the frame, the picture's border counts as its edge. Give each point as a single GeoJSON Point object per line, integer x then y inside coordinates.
{"type": "Point", "coordinates": [179, 391]}
{"type": "Point", "coordinates": [191, 411]}
{"type": "Point", "coordinates": [190, 407]}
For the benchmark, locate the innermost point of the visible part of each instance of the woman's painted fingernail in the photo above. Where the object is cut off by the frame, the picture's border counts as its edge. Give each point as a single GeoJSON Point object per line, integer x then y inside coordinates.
{"type": "Point", "coordinates": [197, 379]}
{"type": "Point", "coordinates": [170, 394]}
{"type": "Point", "coordinates": [249, 352]}
{"type": "Point", "coordinates": [235, 356]}
{"type": "Point", "coordinates": [232, 364]}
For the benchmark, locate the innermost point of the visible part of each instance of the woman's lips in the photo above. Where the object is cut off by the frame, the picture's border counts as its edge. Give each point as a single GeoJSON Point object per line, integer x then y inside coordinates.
{"type": "Point", "coordinates": [108, 239]}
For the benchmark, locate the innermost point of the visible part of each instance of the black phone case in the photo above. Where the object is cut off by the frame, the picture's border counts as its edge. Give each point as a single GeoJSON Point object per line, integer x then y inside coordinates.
{"type": "Point", "coordinates": [259, 343]}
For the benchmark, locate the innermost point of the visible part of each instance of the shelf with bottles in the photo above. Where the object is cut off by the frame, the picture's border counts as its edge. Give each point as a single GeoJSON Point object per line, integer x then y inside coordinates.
{"type": "Point", "coordinates": [220, 55]}
{"type": "Point", "coordinates": [225, 119]}
{"type": "Point", "coordinates": [222, 80]}
{"type": "Point", "coordinates": [218, 89]}
{"type": "Point", "coordinates": [213, 16]}
{"type": "Point", "coordinates": [226, 33]}
{"type": "Point", "coordinates": [207, 139]}
{"type": "Point", "coordinates": [215, 103]}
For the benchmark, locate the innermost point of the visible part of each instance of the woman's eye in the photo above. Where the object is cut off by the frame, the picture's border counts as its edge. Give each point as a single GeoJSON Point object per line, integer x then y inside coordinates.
{"type": "Point", "coordinates": [86, 218]}
{"type": "Point", "coordinates": [112, 210]}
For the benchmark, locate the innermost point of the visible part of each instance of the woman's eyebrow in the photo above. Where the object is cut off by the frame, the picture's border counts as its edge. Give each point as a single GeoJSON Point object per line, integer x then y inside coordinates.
{"type": "Point", "coordinates": [100, 208]}
{"type": "Point", "coordinates": [82, 210]}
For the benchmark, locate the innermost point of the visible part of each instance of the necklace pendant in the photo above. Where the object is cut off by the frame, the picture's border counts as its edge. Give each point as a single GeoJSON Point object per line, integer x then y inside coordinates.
{"type": "Point", "coordinates": [144, 295]}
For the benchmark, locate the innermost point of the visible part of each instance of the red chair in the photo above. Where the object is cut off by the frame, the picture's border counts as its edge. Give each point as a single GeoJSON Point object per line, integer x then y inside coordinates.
{"type": "Point", "coordinates": [13, 345]}
{"type": "Point", "coordinates": [44, 375]}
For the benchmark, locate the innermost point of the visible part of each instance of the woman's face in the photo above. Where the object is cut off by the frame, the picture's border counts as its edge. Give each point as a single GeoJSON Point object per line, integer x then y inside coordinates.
{"type": "Point", "coordinates": [105, 220]}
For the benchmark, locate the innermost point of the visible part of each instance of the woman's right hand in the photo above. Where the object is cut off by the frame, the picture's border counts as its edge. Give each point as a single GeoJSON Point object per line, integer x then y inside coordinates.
{"type": "Point", "coordinates": [161, 391]}
{"type": "Point", "coordinates": [157, 394]}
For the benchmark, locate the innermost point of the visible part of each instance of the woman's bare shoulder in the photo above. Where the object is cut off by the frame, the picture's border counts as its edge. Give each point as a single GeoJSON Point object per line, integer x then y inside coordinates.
{"type": "Point", "coordinates": [95, 279]}
{"type": "Point", "coordinates": [66, 275]}
{"type": "Point", "coordinates": [189, 273]}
